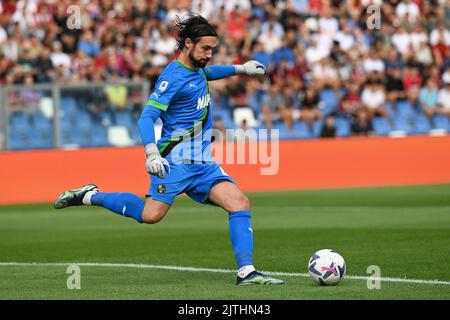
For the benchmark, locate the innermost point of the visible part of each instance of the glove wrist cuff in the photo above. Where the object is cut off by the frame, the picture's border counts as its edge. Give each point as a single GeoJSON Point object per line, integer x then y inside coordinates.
{"type": "Point", "coordinates": [239, 69]}
{"type": "Point", "coordinates": [151, 149]}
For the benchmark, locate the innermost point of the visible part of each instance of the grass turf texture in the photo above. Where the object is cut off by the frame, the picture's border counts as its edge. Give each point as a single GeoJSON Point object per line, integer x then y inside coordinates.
{"type": "Point", "coordinates": [403, 230]}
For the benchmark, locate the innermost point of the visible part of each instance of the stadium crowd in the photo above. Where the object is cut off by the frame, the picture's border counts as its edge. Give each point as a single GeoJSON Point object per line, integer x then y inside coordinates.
{"type": "Point", "coordinates": [326, 60]}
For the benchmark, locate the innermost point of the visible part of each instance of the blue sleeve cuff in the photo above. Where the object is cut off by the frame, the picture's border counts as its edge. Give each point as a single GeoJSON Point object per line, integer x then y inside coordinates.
{"type": "Point", "coordinates": [219, 72]}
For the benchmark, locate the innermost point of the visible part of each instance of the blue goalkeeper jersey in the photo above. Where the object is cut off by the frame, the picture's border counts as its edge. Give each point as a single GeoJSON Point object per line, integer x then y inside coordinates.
{"type": "Point", "coordinates": [183, 95]}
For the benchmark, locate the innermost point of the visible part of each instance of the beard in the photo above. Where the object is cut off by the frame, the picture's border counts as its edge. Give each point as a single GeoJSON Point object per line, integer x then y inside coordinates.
{"type": "Point", "coordinates": [198, 63]}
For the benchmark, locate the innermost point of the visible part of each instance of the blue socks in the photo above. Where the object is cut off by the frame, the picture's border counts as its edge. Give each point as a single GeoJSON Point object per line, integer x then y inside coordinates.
{"type": "Point", "coordinates": [241, 235]}
{"type": "Point", "coordinates": [126, 204]}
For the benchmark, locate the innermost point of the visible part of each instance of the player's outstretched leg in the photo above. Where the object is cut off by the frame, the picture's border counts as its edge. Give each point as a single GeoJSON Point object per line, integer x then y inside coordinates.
{"type": "Point", "coordinates": [126, 204]}
{"type": "Point", "coordinates": [232, 199]}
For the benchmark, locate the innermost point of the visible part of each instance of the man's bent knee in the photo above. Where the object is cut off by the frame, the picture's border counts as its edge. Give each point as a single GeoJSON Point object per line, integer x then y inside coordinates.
{"type": "Point", "coordinates": [240, 204]}
{"type": "Point", "coordinates": [245, 203]}
{"type": "Point", "coordinates": [151, 218]}
{"type": "Point", "coordinates": [153, 213]}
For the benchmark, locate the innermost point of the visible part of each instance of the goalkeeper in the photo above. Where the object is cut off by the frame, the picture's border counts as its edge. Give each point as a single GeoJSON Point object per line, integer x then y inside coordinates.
{"type": "Point", "coordinates": [177, 165]}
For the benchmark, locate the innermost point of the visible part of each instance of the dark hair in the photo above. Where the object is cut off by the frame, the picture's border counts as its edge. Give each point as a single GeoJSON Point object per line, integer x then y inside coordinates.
{"type": "Point", "coordinates": [192, 27]}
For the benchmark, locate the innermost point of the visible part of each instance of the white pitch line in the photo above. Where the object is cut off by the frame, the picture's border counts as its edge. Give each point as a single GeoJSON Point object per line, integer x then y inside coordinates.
{"type": "Point", "coordinates": [196, 269]}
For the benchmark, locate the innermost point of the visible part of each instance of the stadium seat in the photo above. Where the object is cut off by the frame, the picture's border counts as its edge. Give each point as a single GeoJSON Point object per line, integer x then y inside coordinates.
{"type": "Point", "coordinates": [82, 103]}
{"type": "Point", "coordinates": [41, 123]}
{"type": "Point", "coordinates": [441, 122]}
{"type": "Point", "coordinates": [67, 122]}
{"type": "Point", "coordinates": [342, 127]}
{"type": "Point", "coordinates": [17, 140]}
{"type": "Point", "coordinates": [317, 128]}
{"type": "Point", "coordinates": [105, 118]}
{"type": "Point", "coordinates": [73, 136]}
{"type": "Point", "coordinates": [301, 130]}
{"type": "Point", "coordinates": [68, 103]}
{"type": "Point", "coordinates": [119, 136]}
{"type": "Point", "coordinates": [99, 141]}
{"type": "Point", "coordinates": [422, 124]}
{"type": "Point", "coordinates": [284, 132]}
{"type": "Point", "coordinates": [98, 136]}
{"type": "Point", "coordinates": [82, 139]}
{"type": "Point", "coordinates": [405, 110]}
{"type": "Point", "coordinates": [329, 101]}
{"type": "Point", "coordinates": [224, 114]}
{"type": "Point", "coordinates": [244, 113]}
{"type": "Point", "coordinates": [83, 120]}
{"type": "Point", "coordinates": [390, 110]}
{"type": "Point", "coordinates": [402, 124]}
{"type": "Point", "coordinates": [40, 141]}
{"type": "Point", "coordinates": [381, 126]}
{"type": "Point", "coordinates": [123, 118]}
{"type": "Point", "coordinates": [68, 106]}
{"type": "Point", "coordinates": [20, 122]}
{"type": "Point", "coordinates": [134, 134]}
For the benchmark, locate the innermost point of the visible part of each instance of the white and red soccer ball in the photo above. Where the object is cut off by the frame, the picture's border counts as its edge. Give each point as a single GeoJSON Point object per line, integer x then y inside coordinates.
{"type": "Point", "coordinates": [326, 267]}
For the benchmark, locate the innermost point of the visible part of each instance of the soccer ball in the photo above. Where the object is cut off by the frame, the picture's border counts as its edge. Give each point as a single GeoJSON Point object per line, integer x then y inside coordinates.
{"type": "Point", "coordinates": [326, 267]}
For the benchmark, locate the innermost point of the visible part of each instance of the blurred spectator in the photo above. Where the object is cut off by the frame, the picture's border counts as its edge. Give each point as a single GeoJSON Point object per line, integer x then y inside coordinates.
{"type": "Point", "coordinates": [273, 105]}
{"type": "Point", "coordinates": [310, 106]}
{"type": "Point", "coordinates": [428, 98]}
{"type": "Point", "coordinates": [373, 63]}
{"type": "Point", "coordinates": [29, 97]}
{"type": "Point", "coordinates": [361, 125]}
{"type": "Point", "coordinates": [412, 82]}
{"type": "Point", "coordinates": [315, 53]}
{"type": "Point", "coordinates": [261, 55]}
{"type": "Point", "coordinates": [401, 40]}
{"type": "Point", "coordinates": [441, 33]}
{"type": "Point", "coordinates": [407, 10]}
{"type": "Point", "coordinates": [444, 98]}
{"type": "Point", "coordinates": [440, 43]}
{"type": "Point", "coordinates": [58, 57]}
{"type": "Point", "coordinates": [116, 92]}
{"type": "Point", "coordinates": [394, 86]}
{"type": "Point", "coordinates": [270, 40]}
{"type": "Point", "coordinates": [272, 25]}
{"type": "Point", "coordinates": [88, 45]}
{"type": "Point", "coordinates": [373, 99]}
{"type": "Point", "coordinates": [237, 20]}
{"type": "Point", "coordinates": [45, 72]}
{"type": "Point", "coordinates": [424, 54]}
{"type": "Point", "coordinates": [351, 101]}
{"type": "Point", "coordinates": [307, 46]}
{"type": "Point", "coordinates": [203, 7]}
{"type": "Point", "coordinates": [283, 53]}
{"type": "Point", "coordinates": [326, 74]}
{"type": "Point", "coordinates": [328, 129]}
{"type": "Point", "coordinates": [10, 48]}
{"type": "Point", "coordinates": [165, 44]}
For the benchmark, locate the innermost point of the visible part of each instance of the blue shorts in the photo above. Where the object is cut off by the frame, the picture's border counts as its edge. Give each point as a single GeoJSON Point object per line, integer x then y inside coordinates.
{"type": "Point", "coordinates": [196, 180]}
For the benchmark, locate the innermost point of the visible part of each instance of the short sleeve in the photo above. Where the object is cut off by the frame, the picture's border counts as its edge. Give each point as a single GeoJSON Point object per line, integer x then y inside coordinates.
{"type": "Point", "coordinates": [165, 90]}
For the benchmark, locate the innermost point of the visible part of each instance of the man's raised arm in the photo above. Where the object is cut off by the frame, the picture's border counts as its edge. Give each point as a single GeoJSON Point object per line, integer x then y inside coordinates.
{"type": "Point", "coordinates": [250, 68]}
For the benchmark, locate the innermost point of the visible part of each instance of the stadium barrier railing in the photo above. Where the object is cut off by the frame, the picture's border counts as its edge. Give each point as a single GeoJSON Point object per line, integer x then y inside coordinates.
{"type": "Point", "coordinates": [46, 116]}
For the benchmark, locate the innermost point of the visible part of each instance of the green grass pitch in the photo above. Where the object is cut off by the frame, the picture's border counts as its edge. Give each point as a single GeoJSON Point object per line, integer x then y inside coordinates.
{"type": "Point", "coordinates": [403, 230]}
